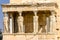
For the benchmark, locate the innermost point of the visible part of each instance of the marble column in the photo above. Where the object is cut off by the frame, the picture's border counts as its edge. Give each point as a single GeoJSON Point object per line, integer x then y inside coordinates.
{"type": "Point", "coordinates": [11, 23]}
{"type": "Point", "coordinates": [20, 23]}
{"type": "Point", "coordinates": [35, 22]}
{"type": "Point", "coordinates": [48, 24]}
{"type": "Point", "coordinates": [52, 21]}
{"type": "Point", "coordinates": [6, 27]}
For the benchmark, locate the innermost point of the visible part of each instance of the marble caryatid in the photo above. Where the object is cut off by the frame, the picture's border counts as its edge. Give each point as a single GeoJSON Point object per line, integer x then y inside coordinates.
{"type": "Point", "coordinates": [35, 22]}
{"type": "Point", "coordinates": [20, 23]}
{"type": "Point", "coordinates": [6, 27]}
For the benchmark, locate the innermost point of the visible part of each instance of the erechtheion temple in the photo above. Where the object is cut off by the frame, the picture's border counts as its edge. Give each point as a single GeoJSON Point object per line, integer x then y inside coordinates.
{"type": "Point", "coordinates": [31, 20]}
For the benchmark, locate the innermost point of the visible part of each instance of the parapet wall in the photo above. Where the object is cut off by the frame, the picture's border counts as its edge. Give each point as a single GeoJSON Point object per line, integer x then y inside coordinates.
{"type": "Point", "coordinates": [29, 37]}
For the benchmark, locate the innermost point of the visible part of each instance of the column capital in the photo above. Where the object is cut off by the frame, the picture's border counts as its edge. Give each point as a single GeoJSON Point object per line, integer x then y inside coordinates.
{"type": "Point", "coordinates": [35, 13]}
{"type": "Point", "coordinates": [5, 14]}
{"type": "Point", "coordinates": [52, 12]}
{"type": "Point", "coordinates": [20, 13]}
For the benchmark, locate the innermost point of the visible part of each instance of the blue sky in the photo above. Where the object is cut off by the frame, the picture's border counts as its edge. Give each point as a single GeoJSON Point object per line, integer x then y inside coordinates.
{"type": "Point", "coordinates": [1, 13]}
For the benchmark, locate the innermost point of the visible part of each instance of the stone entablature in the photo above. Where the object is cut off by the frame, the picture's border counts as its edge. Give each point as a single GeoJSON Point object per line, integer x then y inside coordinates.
{"type": "Point", "coordinates": [31, 1]}
{"type": "Point", "coordinates": [29, 7]}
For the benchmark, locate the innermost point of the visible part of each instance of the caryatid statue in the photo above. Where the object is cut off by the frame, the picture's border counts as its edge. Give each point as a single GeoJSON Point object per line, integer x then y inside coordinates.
{"type": "Point", "coordinates": [20, 23]}
{"type": "Point", "coordinates": [6, 27]}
